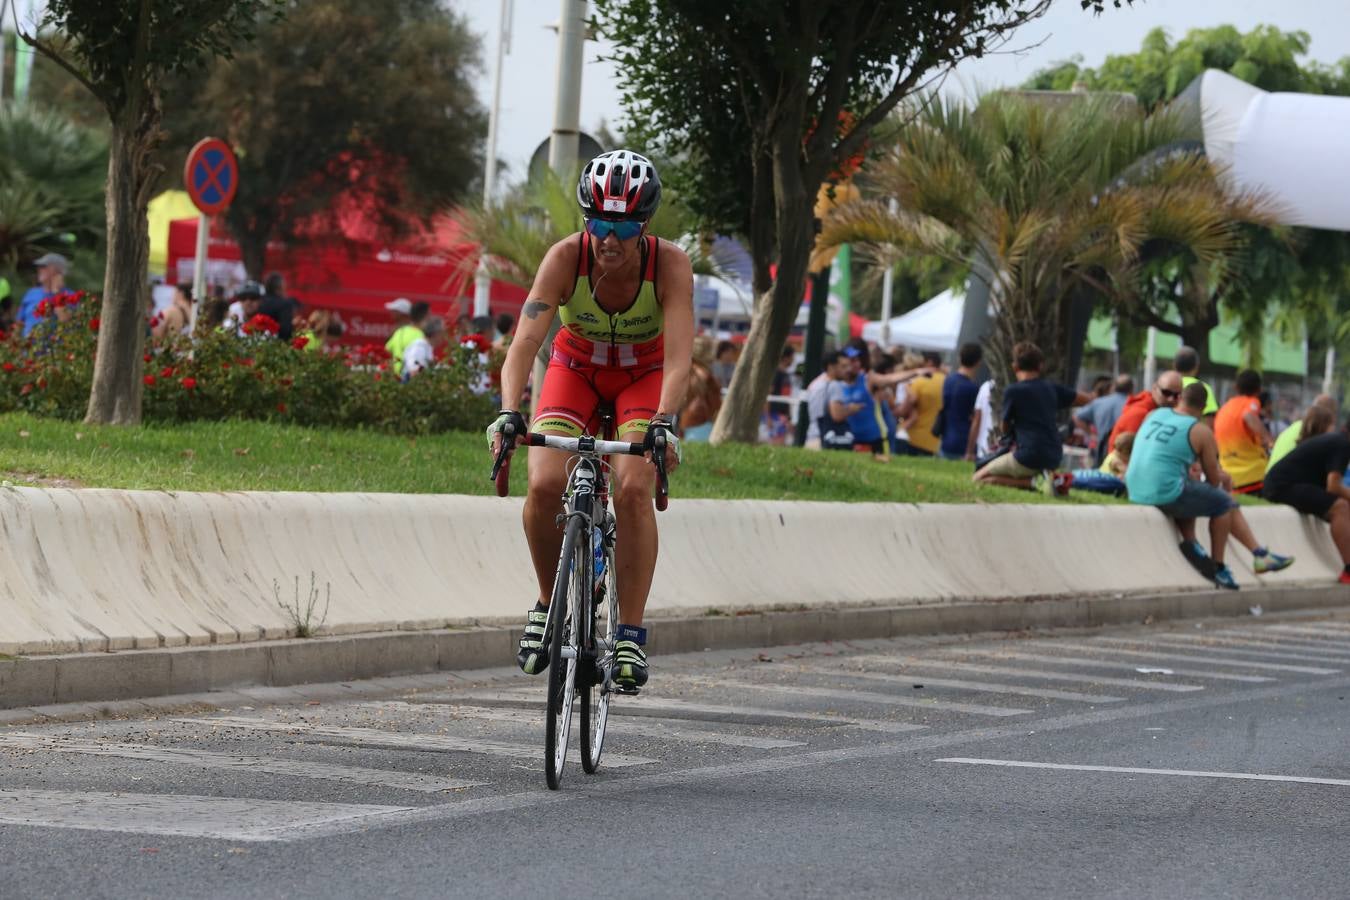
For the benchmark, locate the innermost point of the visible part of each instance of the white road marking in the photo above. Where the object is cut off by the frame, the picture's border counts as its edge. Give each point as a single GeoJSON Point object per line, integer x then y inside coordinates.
{"type": "Point", "coordinates": [1252, 647]}
{"type": "Point", "coordinates": [181, 815]}
{"type": "Point", "coordinates": [1032, 673]}
{"type": "Point", "coordinates": [631, 728]}
{"type": "Point", "coordinates": [987, 687]}
{"type": "Point", "coordinates": [661, 707]}
{"type": "Point", "coordinates": [374, 737]}
{"type": "Point", "coordinates": [1128, 770]}
{"type": "Point", "coordinates": [1098, 663]}
{"type": "Point", "coordinates": [801, 690]}
{"type": "Point", "coordinates": [1096, 647]}
{"type": "Point", "coordinates": [187, 756]}
{"type": "Point", "coordinates": [762, 766]}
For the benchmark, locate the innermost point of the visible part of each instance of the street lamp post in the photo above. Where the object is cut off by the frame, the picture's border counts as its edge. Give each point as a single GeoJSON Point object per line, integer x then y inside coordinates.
{"type": "Point", "coordinates": [482, 282]}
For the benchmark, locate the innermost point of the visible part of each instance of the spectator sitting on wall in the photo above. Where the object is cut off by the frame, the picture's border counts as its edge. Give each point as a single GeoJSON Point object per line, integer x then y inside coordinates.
{"type": "Point", "coordinates": [277, 306]}
{"type": "Point", "coordinates": [1244, 441]}
{"type": "Point", "coordinates": [1311, 479]}
{"type": "Point", "coordinates": [1169, 442]}
{"type": "Point", "coordinates": [1166, 391]}
{"type": "Point", "coordinates": [1102, 413]}
{"type": "Point", "coordinates": [421, 353]}
{"type": "Point", "coordinates": [1187, 364]}
{"type": "Point", "coordinates": [1109, 477]}
{"type": "Point", "coordinates": [1290, 436]}
{"type": "Point", "coordinates": [1030, 407]}
{"type": "Point", "coordinates": [958, 404]}
{"type": "Point", "coordinates": [920, 408]}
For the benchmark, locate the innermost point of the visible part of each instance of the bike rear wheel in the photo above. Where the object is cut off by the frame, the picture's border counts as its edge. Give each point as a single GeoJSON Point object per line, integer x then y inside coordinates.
{"type": "Point", "coordinates": [604, 620]}
{"type": "Point", "coordinates": [573, 565]}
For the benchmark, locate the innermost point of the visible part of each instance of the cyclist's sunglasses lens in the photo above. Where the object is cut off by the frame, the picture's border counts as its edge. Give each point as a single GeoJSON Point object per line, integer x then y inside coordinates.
{"type": "Point", "coordinates": [601, 229]}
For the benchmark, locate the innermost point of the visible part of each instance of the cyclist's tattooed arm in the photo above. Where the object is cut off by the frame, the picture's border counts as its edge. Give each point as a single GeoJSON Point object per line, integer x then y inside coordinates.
{"type": "Point", "coordinates": [551, 285]}
{"type": "Point", "coordinates": [676, 291]}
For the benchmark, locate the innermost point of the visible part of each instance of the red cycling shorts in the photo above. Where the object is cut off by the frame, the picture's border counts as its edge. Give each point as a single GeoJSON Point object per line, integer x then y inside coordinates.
{"type": "Point", "coordinates": [573, 390]}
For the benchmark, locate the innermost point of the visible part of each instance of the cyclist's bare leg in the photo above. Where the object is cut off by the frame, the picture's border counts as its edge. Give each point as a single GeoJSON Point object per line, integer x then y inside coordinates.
{"type": "Point", "coordinates": [543, 502]}
{"type": "Point", "coordinates": [635, 549]}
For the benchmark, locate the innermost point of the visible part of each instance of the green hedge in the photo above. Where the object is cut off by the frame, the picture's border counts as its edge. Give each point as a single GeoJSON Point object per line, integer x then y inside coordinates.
{"type": "Point", "coordinates": [221, 376]}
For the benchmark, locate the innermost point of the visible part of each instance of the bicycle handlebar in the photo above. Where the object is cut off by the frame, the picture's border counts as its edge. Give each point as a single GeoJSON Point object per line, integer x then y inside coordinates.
{"type": "Point", "coordinates": [501, 466]}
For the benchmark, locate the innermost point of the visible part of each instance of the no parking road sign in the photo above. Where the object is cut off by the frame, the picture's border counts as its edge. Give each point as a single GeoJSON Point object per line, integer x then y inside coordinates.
{"type": "Point", "coordinates": [211, 175]}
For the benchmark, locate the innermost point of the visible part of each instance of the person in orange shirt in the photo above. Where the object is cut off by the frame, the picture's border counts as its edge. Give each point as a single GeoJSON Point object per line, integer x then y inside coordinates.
{"type": "Point", "coordinates": [1244, 442]}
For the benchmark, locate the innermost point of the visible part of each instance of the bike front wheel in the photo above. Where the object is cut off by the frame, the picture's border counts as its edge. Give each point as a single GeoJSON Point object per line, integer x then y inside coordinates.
{"type": "Point", "coordinates": [574, 564]}
{"type": "Point", "coordinates": [595, 696]}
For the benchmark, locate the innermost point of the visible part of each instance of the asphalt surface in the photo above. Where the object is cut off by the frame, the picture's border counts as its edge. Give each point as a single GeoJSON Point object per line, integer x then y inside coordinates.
{"type": "Point", "coordinates": [1191, 759]}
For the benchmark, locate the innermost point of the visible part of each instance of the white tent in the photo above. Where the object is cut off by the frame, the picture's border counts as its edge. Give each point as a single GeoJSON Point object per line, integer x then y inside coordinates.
{"type": "Point", "coordinates": [935, 325]}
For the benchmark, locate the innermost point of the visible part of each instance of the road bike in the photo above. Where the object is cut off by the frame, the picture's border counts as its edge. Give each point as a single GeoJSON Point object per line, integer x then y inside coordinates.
{"type": "Point", "coordinates": [583, 611]}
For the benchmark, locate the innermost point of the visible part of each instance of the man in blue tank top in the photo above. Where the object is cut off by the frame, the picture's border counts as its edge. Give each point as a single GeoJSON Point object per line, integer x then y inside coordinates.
{"type": "Point", "coordinates": [1168, 442]}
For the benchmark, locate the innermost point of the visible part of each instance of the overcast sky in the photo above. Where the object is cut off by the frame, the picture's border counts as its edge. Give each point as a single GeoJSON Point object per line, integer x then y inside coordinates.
{"type": "Point", "coordinates": [528, 76]}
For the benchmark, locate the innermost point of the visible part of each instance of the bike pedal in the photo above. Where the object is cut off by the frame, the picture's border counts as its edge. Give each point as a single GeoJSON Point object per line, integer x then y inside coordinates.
{"type": "Point", "coordinates": [630, 691]}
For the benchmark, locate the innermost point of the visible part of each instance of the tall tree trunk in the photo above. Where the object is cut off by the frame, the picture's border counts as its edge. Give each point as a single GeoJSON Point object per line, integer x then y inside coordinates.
{"type": "Point", "coordinates": [115, 397]}
{"type": "Point", "coordinates": [777, 310]}
{"type": "Point", "coordinates": [762, 239]}
{"type": "Point", "coordinates": [253, 253]}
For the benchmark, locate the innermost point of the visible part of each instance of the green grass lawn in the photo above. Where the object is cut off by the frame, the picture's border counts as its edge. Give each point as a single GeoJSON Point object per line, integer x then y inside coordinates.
{"type": "Point", "coordinates": [252, 456]}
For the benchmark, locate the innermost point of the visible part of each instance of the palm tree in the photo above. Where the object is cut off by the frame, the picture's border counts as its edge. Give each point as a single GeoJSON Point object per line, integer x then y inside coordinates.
{"type": "Point", "coordinates": [52, 175]}
{"type": "Point", "coordinates": [1051, 198]}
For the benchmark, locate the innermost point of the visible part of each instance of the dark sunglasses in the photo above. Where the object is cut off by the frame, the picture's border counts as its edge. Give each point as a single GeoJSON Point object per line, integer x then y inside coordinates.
{"type": "Point", "coordinates": [1170, 395]}
{"type": "Point", "coordinates": [603, 228]}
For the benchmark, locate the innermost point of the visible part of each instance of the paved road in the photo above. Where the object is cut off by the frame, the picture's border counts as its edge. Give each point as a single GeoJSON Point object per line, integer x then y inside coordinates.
{"type": "Point", "coordinates": [1185, 760]}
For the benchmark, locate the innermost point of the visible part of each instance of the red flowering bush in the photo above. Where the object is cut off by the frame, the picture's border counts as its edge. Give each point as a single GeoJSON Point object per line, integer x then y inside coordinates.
{"type": "Point", "coordinates": [224, 376]}
{"type": "Point", "coordinates": [261, 324]}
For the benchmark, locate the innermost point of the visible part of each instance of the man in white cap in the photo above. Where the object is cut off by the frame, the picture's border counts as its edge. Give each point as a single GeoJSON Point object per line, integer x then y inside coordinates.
{"type": "Point", "coordinates": [51, 274]}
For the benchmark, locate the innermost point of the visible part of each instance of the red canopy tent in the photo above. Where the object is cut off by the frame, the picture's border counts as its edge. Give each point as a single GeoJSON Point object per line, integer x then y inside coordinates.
{"type": "Point", "coordinates": [358, 277]}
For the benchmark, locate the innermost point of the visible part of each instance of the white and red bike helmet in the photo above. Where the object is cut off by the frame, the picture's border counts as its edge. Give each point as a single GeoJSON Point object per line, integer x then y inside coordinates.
{"type": "Point", "coordinates": [619, 185]}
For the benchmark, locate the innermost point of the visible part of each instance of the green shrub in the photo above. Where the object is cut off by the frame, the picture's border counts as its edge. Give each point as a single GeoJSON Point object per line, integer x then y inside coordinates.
{"type": "Point", "coordinates": [258, 377]}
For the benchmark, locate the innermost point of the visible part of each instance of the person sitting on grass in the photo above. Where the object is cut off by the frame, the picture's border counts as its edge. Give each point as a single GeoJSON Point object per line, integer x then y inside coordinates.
{"type": "Point", "coordinates": [1109, 477]}
{"type": "Point", "coordinates": [1030, 406]}
{"type": "Point", "coordinates": [1311, 479]}
{"type": "Point", "coordinates": [1169, 441]}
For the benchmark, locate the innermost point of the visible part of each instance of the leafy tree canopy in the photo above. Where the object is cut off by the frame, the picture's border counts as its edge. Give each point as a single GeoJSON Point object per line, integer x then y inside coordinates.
{"type": "Point", "coordinates": [372, 104]}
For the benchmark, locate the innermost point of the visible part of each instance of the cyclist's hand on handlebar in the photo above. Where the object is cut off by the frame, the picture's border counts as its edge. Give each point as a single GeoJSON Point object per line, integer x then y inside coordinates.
{"type": "Point", "coordinates": [498, 428]}
{"type": "Point", "coordinates": [674, 453]}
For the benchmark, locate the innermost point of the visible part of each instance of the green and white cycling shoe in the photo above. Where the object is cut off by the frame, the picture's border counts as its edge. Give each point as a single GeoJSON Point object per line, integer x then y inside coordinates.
{"type": "Point", "coordinates": [629, 670]}
{"type": "Point", "coordinates": [532, 657]}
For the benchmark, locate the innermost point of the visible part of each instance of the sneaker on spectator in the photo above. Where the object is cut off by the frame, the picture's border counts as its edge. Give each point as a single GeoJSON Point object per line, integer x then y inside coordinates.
{"type": "Point", "coordinates": [1270, 562]}
{"type": "Point", "coordinates": [1197, 557]}
{"type": "Point", "coordinates": [1223, 577]}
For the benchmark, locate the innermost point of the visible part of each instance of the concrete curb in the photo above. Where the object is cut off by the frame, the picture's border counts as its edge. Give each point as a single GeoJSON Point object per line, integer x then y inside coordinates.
{"type": "Point", "coordinates": [131, 674]}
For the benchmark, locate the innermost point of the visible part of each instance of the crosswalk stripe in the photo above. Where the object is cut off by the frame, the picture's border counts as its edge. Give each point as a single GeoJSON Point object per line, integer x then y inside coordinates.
{"type": "Point", "coordinates": [660, 707]}
{"type": "Point", "coordinates": [1096, 647]}
{"type": "Point", "coordinates": [1316, 634]}
{"type": "Point", "coordinates": [1043, 674]}
{"type": "Point", "coordinates": [188, 756]}
{"type": "Point", "coordinates": [1293, 641]}
{"type": "Point", "coordinates": [987, 687]}
{"type": "Point", "coordinates": [374, 737]}
{"type": "Point", "coordinates": [801, 690]}
{"type": "Point", "coordinates": [630, 728]}
{"type": "Point", "coordinates": [1101, 664]}
{"type": "Point", "coordinates": [179, 815]}
{"type": "Point", "coordinates": [1238, 645]}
